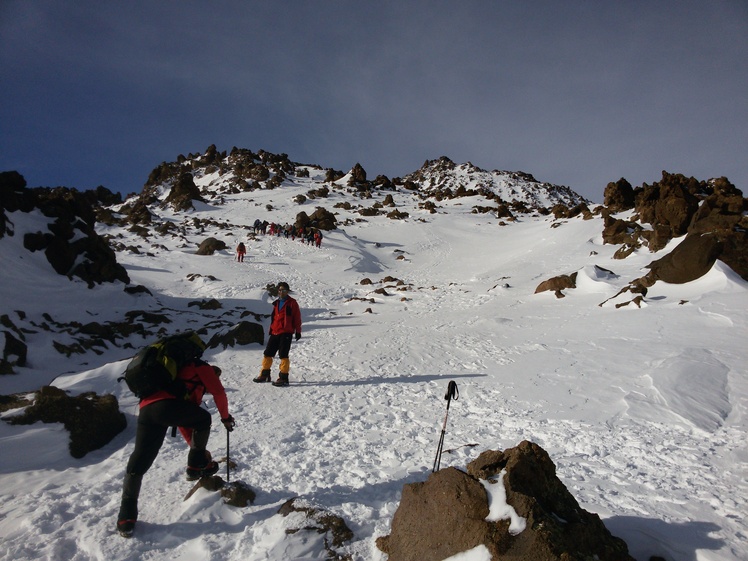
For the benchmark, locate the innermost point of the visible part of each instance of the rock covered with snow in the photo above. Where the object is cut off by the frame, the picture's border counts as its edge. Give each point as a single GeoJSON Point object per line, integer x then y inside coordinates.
{"type": "Point", "coordinates": [509, 502]}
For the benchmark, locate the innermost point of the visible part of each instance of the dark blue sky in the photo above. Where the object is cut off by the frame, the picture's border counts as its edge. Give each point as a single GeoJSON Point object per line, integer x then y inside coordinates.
{"type": "Point", "coordinates": [577, 93]}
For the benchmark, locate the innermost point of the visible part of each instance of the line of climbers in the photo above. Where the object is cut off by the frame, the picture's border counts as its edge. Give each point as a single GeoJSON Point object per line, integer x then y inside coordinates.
{"type": "Point", "coordinates": [309, 234]}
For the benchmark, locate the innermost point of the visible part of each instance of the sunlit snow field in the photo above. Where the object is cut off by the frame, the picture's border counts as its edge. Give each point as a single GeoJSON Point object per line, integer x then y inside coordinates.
{"type": "Point", "coordinates": [643, 410]}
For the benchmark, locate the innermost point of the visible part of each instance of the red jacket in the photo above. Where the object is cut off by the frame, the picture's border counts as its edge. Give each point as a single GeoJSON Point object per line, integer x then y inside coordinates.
{"type": "Point", "coordinates": [287, 319]}
{"type": "Point", "coordinates": [198, 378]}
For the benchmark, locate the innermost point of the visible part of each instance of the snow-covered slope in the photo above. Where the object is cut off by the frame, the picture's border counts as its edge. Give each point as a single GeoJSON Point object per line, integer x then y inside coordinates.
{"type": "Point", "coordinates": [643, 410]}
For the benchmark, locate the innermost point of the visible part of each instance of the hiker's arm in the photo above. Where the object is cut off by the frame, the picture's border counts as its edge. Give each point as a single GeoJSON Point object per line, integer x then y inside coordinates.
{"type": "Point", "coordinates": [214, 387]}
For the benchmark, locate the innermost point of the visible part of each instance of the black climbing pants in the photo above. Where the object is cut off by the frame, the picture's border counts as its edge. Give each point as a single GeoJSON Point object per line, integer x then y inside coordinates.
{"type": "Point", "coordinates": [280, 344]}
{"type": "Point", "coordinates": [153, 422]}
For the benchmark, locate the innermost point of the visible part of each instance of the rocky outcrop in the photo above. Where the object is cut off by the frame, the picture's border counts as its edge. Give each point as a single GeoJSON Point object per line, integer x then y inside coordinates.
{"type": "Point", "coordinates": [558, 284]}
{"type": "Point", "coordinates": [12, 344]}
{"type": "Point", "coordinates": [724, 214]}
{"type": "Point", "coordinates": [92, 420]}
{"type": "Point", "coordinates": [449, 514]}
{"type": "Point", "coordinates": [14, 351]}
{"type": "Point", "coordinates": [321, 218]}
{"type": "Point", "coordinates": [183, 193]}
{"type": "Point", "coordinates": [443, 179]}
{"type": "Point", "coordinates": [680, 206]}
{"type": "Point", "coordinates": [243, 333]}
{"type": "Point", "coordinates": [210, 245]}
{"type": "Point", "coordinates": [358, 176]}
{"type": "Point", "coordinates": [619, 196]}
{"type": "Point", "coordinates": [13, 196]}
{"type": "Point", "coordinates": [669, 206]}
{"type": "Point", "coordinates": [690, 260]}
{"type": "Point", "coordinates": [69, 242]}
{"type": "Point", "coordinates": [561, 211]}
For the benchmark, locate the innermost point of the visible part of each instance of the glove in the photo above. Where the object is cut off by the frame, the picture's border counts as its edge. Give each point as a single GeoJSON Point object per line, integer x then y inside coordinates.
{"type": "Point", "coordinates": [229, 423]}
{"type": "Point", "coordinates": [218, 371]}
{"type": "Point", "coordinates": [298, 335]}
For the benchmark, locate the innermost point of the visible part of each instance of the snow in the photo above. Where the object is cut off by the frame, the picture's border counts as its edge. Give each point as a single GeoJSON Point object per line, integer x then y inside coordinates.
{"type": "Point", "coordinates": [498, 508]}
{"type": "Point", "coordinates": [643, 410]}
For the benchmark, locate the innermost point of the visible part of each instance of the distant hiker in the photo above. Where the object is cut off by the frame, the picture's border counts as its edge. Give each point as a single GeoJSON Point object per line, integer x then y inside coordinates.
{"type": "Point", "coordinates": [285, 321]}
{"type": "Point", "coordinates": [257, 226]}
{"type": "Point", "coordinates": [241, 251]}
{"type": "Point", "coordinates": [318, 238]}
{"type": "Point", "coordinates": [158, 412]}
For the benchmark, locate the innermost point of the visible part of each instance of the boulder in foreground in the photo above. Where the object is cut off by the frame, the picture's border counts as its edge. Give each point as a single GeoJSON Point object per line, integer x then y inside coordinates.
{"type": "Point", "coordinates": [447, 514]}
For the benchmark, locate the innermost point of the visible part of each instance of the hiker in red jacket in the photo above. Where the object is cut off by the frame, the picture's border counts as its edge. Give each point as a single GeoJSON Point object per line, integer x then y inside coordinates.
{"type": "Point", "coordinates": [241, 251]}
{"type": "Point", "coordinates": [162, 410]}
{"type": "Point", "coordinates": [285, 321]}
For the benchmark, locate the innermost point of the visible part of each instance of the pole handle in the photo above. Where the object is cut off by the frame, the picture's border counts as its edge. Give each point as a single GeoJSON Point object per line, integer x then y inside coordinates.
{"type": "Point", "coordinates": [452, 392]}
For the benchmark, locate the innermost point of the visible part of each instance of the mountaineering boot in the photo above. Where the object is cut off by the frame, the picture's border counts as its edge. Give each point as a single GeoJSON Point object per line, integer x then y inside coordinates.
{"type": "Point", "coordinates": [282, 380]}
{"type": "Point", "coordinates": [128, 510]}
{"type": "Point", "coordinates": [200, 464]}
{"type": "Point", "coordinates": [126, 528]}
{"type": "Point", "coordinates": [267, 363]}
{"type": "Point", "coordinates": [263, 377]}
{"type": "Point", "coordinates": [211, 468]}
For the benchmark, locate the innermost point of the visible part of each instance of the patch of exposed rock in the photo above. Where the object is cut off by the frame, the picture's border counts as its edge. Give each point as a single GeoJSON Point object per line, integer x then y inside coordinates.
{"type": "Point", "coordinates": [236, 493]}
{"type": "Point", "coordinates": [242, 333]}
{"type": "Point", "coordinates": [210, 245]}
{"type": "Point", "coordinates": [319, 521]}
{"type": "Point", "coordinates": [558, 284]}
{"type": "Point", "coordinates": [183, 193]}
{"type": "Point", "coordinates": [13, 346]}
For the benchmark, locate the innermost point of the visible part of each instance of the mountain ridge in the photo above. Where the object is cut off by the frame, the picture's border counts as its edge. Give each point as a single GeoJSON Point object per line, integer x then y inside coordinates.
{"type": "Point", "coordinates": [624, 399]}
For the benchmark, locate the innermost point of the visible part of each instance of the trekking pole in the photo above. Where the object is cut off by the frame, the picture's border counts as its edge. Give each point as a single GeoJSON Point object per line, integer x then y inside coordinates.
{"type": "Point", "coordinates": [228, 476]}
{"type": "Point", "coordinates": [452, 393]}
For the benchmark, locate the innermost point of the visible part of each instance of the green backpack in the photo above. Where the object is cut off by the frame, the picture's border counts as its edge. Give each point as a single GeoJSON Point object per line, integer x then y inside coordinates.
{"type": "Point", "coordinates": [156, 366]}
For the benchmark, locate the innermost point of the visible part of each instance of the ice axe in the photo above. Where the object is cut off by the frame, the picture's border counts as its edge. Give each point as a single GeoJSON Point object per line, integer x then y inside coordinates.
{"type": "Point", "coordinates": [451, 394]}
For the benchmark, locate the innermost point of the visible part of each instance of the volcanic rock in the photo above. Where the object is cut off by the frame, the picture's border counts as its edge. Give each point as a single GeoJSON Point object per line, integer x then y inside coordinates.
{"type": "Point", "coordinates": [619, 196]}
{"type": "Point", "coordinates": [93, 420]}
{"type": "Point", "coordinates": [210, 245]}
{"type": "Point", "coordinates": [447, 514]}
{"type": "Point", "coordinates": [243, 333]}
{"type": "Point", "coordinates": [557, 284]}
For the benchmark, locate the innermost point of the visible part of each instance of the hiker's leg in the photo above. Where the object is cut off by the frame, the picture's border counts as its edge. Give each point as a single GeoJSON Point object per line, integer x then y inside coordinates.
{"type": "Point", "coordinates": [191, 416]}
{"type": "Point", "coordinates": [149, 437]}
{"type": "Point", "coordinates": [284, 348]}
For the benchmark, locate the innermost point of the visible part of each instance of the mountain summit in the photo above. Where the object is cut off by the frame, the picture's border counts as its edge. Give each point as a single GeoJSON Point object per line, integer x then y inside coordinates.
{"type": "Point", "coordinates": [442, 175]}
